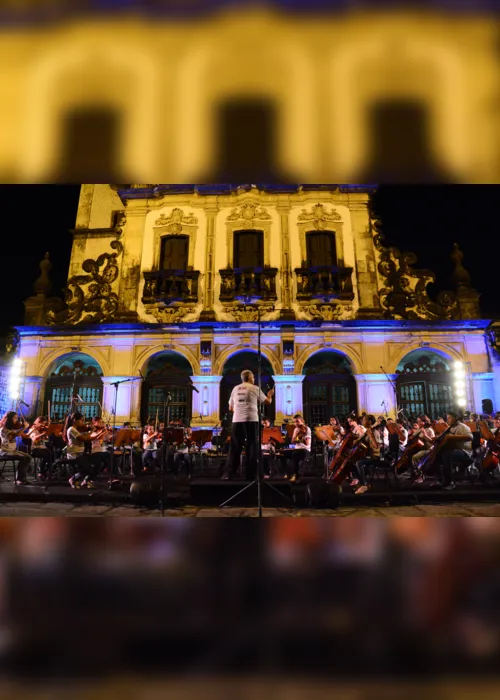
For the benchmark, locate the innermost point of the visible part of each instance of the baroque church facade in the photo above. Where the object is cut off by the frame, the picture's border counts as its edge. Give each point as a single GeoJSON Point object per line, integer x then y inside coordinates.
{"type": "Point", "coordinates": [170, 286]}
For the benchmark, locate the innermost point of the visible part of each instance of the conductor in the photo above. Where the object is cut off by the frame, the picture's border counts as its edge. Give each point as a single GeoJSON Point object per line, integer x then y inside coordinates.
{"type": "Point", "coordinates": [243, 403]}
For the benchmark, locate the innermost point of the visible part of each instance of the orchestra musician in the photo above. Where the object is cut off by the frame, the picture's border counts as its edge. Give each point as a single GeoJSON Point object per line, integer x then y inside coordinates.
{"type": "Point", "coordinates": [457, 449]}
{"type": "Point", "coordinates": [100, 434]}
{"type": "Point", "coordinates": [39, 448]}
{"type": "Point", "coordinates": [301, 439]}
{"type": "Point", "coordinates": [377, 437]}
{"type": "Point", "coordinates": [183, 456]}
{"type": "Point", "coordinates": [339, 433]}
{"type": "Point", "coordinates": [76, 441]}
{"type": "Point", "coordinates": [426, 433]}
{"type": "Point", "coordinates": [10, 427]}
{"type": "Point", "coordinates": [243, 402]}
{"type": "Point", "coordinates": [150, 441]}
{"type": "Point", "coordinates": [357, 428]}
{"type": "Point", "coordinates": [268, 450]}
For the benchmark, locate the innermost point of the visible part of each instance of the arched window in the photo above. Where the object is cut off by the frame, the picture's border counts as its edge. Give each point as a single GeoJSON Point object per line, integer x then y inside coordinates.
{"type": "Point", "coordinates": [247, 131]}
{"type": "Point", "coordinates": [90, 145]}
{"type": "Point", "coordinates": [75, 375]}
{"type": "Point", "coordinates": [167, 373]}
{"type": "Point", "coordinates": [329, 389]}
{"type": "Point", "coordinates": [321, 249]}
{"type": "Point", "coordinates": [399, 143]}
{"type": "Point", "coordinates": [231, 377]}
{"type": "Point", "coordinates": [424, 384]}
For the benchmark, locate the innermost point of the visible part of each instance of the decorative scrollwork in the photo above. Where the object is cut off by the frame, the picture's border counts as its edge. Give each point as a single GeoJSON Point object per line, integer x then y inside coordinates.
{"type": "Point", "coordinates": [404, 291]}
{"type": "Point", "coordinates": [99, 302]}
{"type": "Point", "coordinates": [319, 217]}
{"type": "Point", "coordinates": [175, 221]}
{"type": "Point", "coordinates": [249, 212]}
{"type": "Point", "coordinates": [171, 314]}
{"type": "Point", "coordinates": [329, 312]}
{"type": "Point", "coordinates": [247, 314]}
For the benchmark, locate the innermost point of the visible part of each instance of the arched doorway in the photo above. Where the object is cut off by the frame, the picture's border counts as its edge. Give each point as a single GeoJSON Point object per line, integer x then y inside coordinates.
{"type": "Point", "coordinates": [167, 372]}
{"type": "Point", "coordinates": [424, 384]}
{"type": "Point", "coordinates": [71, 375]}
{"type": "Point", "coordinates": [231, 377]}
{"type": "Point", "coordinates": [329, 388]}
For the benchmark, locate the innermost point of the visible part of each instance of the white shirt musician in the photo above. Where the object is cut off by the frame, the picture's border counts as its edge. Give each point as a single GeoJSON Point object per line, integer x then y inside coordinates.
{"type": "Point", "coordinates": [301, 442]}
{"type": "Point", "coordinates": [243, 403]}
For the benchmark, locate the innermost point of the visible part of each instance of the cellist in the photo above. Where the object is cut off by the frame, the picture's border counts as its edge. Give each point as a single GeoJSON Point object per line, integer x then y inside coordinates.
{"type": "Point", "coordinates": [376, 438]}
{"type": "Point", "coordinates": [427, 435]}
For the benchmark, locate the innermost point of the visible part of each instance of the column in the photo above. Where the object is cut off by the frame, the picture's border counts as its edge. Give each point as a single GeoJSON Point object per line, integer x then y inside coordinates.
{"type": "Point", "coordinates": [483, 387]}
{"type": "Point", "coordinates": [369, 305]}
{"type": "Point", "coordinates": [286, 273]}
{"type": "Point", "coordinates": [32, 395]}
{"type": "Point", "coordinates": [373, 391]}
{"type": "Point", "coordinates": [208, 313]}
{"type": "Point", "coordinates": [126, 406]}
{"type": "Point", "coordinates": [130, 261]}
{"type": "Point", "coordinates": [288, 396]}
{"type": "Point", "coordinates": [206, 401]}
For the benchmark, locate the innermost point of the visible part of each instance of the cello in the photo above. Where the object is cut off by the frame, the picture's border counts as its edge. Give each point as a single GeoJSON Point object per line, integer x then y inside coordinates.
{"type": "Point", "coordinates": [415, 444]}
{"type": "Point", "coordinates": [430, 457]}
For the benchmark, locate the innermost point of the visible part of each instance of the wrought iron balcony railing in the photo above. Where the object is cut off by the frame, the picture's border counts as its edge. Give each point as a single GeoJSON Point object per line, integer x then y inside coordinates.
{"type": "Point", "coordinates": [248, 283]}
{"type": "Point", "coordinates": [168, 286]}
{"type": "Point", "coordinates": [325, 282]}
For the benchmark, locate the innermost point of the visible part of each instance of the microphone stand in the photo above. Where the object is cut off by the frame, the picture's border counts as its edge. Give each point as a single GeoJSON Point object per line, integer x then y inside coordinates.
{"type": "Point", "coordinates": [259, 475]}
{"type": "Point", "coordinates": [112, 469]}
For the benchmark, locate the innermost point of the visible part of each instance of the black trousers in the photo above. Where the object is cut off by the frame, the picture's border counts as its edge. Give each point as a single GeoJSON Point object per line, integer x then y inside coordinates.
{"type": "Point", "coordinates": [243, 435]}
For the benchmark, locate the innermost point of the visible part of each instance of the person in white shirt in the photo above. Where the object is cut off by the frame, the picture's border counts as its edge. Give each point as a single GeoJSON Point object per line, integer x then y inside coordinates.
{"type": "Point", "coordinates": [244, 404]}
{"type": "Point", "coordinates": [301, 440]}
{"type": "Point", "coordinates": [150, 446]}
{"type": "Point", "coordinates": [426, 433]}
{"type": "Point", "coordinates": [100, 456]}
{"type": "Point", "coordinates": [183, 456]}
{"type": "Point", "coordinates": [457, 449]}
{"type": "Point", "coordinates": [76, 439]}
{"type": "Point", "coordinates": [10, 428]}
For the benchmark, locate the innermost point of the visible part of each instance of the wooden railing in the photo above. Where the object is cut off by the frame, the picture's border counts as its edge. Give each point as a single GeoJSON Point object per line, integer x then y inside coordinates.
{"type": "Point", "coordinates": [325, 282]}
{"type": "Point", "coordinates": [168, 286]}
{"type": "Point", "coordinates": [246, 283]}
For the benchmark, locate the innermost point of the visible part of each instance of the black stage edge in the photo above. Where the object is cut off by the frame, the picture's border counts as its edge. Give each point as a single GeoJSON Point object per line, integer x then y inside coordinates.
{"type": "Point", "coordinates": [211, 492]}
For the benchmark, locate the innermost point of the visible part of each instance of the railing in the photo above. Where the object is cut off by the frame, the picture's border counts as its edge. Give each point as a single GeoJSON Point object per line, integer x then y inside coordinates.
{"type": "Point", "coordinates": [168, 286]}
{"type": "Point", "coordinates": [248, 283]}
{"type": "Point", "coordinates": [324, 282]}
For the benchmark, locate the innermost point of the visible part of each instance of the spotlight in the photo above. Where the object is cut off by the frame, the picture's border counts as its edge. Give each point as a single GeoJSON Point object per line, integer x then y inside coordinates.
{"type": "Point", "coordinates": [460, 392]}
{"type": "Point", "coordinates": [458, 365]}
{"type": "Point", "coordinates": [460, 384]}
{"type": "Point", "coordinates": [462, 402]}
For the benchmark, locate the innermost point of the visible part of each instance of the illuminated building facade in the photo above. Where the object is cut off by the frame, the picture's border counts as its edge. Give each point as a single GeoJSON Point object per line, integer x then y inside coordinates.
{"type": "Point", "coordinates": [166, 285]}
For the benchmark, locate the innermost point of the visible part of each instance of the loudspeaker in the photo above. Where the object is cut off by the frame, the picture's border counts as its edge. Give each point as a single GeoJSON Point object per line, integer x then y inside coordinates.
{"type": "Point", "coordinates": [322, 494]}
{"type": "Point", "coordinates": [487, 406]}
{"type": "Point", "coordinates": [144, 492]}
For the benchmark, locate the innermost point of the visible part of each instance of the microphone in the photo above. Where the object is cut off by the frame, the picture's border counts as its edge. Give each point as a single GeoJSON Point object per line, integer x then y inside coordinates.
{"type": "Point", "coordinates": [142, 376]}
{"type": "Point", "coordinates": [23, 403]}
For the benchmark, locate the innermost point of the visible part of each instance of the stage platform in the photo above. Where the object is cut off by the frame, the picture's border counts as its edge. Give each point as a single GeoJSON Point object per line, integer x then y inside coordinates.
{"type": "Point", "coordinates": [202, 491]}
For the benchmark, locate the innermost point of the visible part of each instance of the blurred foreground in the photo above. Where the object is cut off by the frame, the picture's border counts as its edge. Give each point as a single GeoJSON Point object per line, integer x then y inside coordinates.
{"type": "Point", "coordinates": [232, 91]}
{"type": "Point", "coordinates": [343, 599]}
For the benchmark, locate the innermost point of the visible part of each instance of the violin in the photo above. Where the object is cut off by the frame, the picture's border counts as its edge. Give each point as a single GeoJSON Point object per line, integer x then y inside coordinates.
{"type": "Point", "coordinates": [301, 434]}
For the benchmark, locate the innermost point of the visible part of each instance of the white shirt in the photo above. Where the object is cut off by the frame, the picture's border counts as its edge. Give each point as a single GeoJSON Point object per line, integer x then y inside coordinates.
{"type": "Point", "coordinates": [7, 445]}
{"type": "Point", "coordinates": [243, 402]}
{"type": "Point", "coordinates": [462, 429]}
{"type": "Point", "coordinates": [404, 442]}
{"type": "Point", "coordinates": [302, 445]}
{"type": "Point", "coordinates": [75, 443]}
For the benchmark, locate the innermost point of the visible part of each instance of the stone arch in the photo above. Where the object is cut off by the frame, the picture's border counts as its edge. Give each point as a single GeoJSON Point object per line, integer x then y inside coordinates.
{"type": "Point", "coordinates": [329, 387]}
{"type": "Point", "coordinates": [167, 372]}
{"type": "Point", "coordinates": [49, 361]}
{"type": "Point", "coordinates": [69, 375]}
{"type": "Point", "coordinates": [352, 357]}
{"type": "Point", "coordinates": [42, 137]}
{"type": "Point", "coordinates": [448, 353]}
{"type": "Point", "coordinates": [221, 360]}
{"type": "Point", "coordinates": [147, 354]}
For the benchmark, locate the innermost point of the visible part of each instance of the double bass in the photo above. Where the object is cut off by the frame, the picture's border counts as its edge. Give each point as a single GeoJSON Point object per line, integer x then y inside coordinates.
{"type": "Point", "coordinates": [415, 444]}
{"type": "Point", "coordinates": [431, 456]}
{"type": "Point", "coordinates": [352, 451]}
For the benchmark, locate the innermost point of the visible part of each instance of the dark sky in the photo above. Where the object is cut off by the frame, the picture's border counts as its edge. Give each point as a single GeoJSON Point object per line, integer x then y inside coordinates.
{"type": "Point", "coordinates": [426, 220]}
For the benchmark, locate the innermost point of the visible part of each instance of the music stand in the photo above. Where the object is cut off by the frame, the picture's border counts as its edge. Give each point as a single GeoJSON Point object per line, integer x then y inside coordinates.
{"type": "Point", "coordinates": [115, 405]}
{"type": "Point", "coordinates": [259, 474]}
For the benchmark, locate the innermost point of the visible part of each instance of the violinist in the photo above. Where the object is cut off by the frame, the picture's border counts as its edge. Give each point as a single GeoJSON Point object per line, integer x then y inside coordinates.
{"type": "Point", "coordinates": [357, 428]}
{"type": "Point", "coordinates": [426, 433]}
{"type": "Point", "coordinates": [301, 439]}
{"type": "Point", "coordinates": [268, 450]}
{"type": "Point", "coordinates": [100, 435]}
{"type": "Point", "coordinates": [38, 434]}
{"type": "Point", "coordinates": [77, 439]}
{"type": "Point", "coordinates": [10, 427]}
{"type": "Point", "coordinates": [183, 455]}
{"type": "Point", "coordinates": [377, 439]}
{"type": "Point", "coordinates": [150, 446]}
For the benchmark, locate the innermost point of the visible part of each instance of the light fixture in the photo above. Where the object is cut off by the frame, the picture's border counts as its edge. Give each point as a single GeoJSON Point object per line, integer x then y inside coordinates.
{"type": "Point", "coordinates": [15, 379]}
{"type": "Point", "coordinates": [458, 365]}
{"type": "Point", "coordinates": [462, 402]}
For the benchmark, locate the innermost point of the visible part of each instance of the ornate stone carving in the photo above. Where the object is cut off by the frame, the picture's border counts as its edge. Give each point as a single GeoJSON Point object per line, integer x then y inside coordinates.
{"type": "Point", "coordinates": [250, 213]}
{"type": "Point", "coordinates": [171, 314]}
{"type": "Point", "coordinates": [319, 217]}
{"type": "Point", "coordinates": [98, 302]}
{"type": "Point", "coordinates": [330, 312]}
{"type": "Point", "coordinates": [245, 314]}
{"type": "Point", "coordinates": [404, 291]}
{"type": "Point", "coordinates": [43, 285]}
{"type": "Point", "coordinates": [175, 221]}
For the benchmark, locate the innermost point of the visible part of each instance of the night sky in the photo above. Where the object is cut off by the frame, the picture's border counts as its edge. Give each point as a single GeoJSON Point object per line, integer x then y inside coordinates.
{"type": "Point", "coordinates": [425, 220]}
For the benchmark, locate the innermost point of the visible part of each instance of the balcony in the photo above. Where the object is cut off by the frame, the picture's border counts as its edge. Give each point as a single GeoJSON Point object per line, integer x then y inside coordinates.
{"type": "Point", "coordinates": [325, 282]}
{"type": "Point", "coordinates": [248, 283]}
{"type": "Point", "coordinates": [169, 286]}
